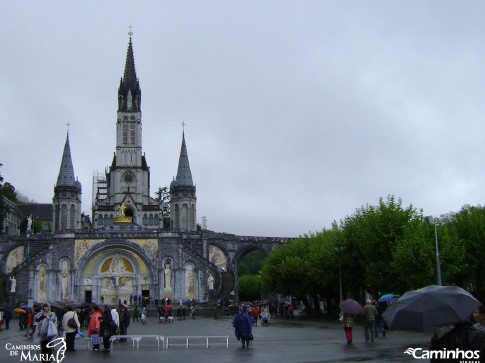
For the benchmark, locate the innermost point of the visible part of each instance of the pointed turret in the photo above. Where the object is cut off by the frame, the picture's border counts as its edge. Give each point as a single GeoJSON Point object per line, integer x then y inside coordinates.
{"type": "Point", "coordinates": [129, 92]}
{"type": "Point", "coordinates": [66, 172]}
{"type": "Point", "coordinates": [182, 194]}
{"type": "Point", "coordinates": [184, 176]}
{"type": "Point", "coordinates": [67, 195]}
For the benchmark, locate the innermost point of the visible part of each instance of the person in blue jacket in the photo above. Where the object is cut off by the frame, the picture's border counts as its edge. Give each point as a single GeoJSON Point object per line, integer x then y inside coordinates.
{"type": "Point", "coordinates": [243, 325]}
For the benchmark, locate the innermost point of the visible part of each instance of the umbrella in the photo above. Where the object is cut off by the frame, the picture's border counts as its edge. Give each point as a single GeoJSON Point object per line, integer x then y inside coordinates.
{"type": "Point", "coordinates": [25, 307]}
{"type": "Point", "coordinates": [390, 298]}
{"type": "Point", "coordinates": [18, 310]}
{"type": "Point", "coordinates": [350, 306]}
{"type": "Point", "coordinates": [430, 307]}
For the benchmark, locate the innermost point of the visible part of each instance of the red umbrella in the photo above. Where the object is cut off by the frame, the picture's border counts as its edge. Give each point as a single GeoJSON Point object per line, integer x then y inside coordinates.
{"type": "Point", "coordinates": [350, 306]}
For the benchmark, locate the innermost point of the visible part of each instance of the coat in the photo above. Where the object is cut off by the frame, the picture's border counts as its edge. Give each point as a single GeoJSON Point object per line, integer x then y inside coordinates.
{"type": "Point", "coordinates": [106, 324]}
{"type": "Point", "coordinates": [68, 316]}
{"type": "Point", "coordinates": [42, 324]}
{"type": "Point", "coordinates": [243, 325]}
{"type": "Point", "coordinates": [348, 320]}
{"type": "Point", "coordinates": [94, 323]}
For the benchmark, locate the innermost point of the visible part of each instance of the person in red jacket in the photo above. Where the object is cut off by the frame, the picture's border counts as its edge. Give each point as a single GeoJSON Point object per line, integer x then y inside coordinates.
{"type": "Point", "coordinates": [256, 313]}
{"type": "Point", "coordinates": [95, 324]}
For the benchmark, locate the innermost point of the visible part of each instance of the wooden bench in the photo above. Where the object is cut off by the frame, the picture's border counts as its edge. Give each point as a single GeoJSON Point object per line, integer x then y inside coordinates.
{"type": "Point", "coordinates": [199, 341]}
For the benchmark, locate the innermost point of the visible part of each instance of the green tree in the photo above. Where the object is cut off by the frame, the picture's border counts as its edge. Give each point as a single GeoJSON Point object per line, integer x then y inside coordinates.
{"type": "Point", "coordinates": [469, 226]}
{"type": "Point", "coordinates": [251, 263]}
{"type": "Point", "coordinates": [370, 237]}
{"type": "Point", "coordinates": [250, 287]}
{"type": "Point", "coordinates": [163, 198]}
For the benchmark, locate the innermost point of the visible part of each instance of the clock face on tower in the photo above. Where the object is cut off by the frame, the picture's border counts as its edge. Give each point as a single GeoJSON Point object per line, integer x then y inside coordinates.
{"type": "Point", "coordinates": [128, 177]}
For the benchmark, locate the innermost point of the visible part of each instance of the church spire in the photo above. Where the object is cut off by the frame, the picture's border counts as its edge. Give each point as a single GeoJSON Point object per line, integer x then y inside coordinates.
{"type": "Point", "coordinates": [184, 176]}
{"type": "Point", "coordinates": [66, 172]}
{"type": "Point", "coordinates": [129, 92]}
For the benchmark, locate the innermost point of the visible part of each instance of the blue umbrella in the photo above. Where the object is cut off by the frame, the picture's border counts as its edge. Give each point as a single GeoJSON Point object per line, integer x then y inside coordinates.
{"type": "Point", "coordinates": [25, 307]}
{"type": "Point", "coordinates": [389, 298]}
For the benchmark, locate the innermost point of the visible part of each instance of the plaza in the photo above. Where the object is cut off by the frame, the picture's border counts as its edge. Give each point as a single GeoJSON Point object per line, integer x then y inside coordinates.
{"type": "Point", "coordinates": [282, 341]}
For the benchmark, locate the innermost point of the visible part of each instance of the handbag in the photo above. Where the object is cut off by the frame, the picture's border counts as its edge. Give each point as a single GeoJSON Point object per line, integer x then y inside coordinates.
{"type": "Point", "coordinates": [71, 323]}
{"type": "Point", "coordinates": [250, 336]}
{"type": "Point", "coordinates": [51, 329]}
{"type": "Point", "coordinates": [96, 339]}
{"type": "Point", "coordinates": [341, 317]}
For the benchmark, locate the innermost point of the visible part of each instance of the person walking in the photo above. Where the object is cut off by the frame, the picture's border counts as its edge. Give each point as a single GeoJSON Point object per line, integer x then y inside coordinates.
{"type": "Point", "coordinates": [95, 324]}
{"type": "Point", "coordinates": [348, 324]}
{"type": "Point", "coordinates": [124, 321]}
{"type": "Point", "coordinates": [30, 323]}
{"type": "Point", "coordinates": [136, 314]}
{"type": "Point", "coordinates": [255, 313]}
{"type": "Point", "coordinates": [46, 329]}
{"type": "Point", "coordinates": [478, 317]}
{"type": "Point", "coordinates": [106, 328]}
{"type": "Point", "coordinates": [370, 312]}
{"type": "Point", "coordinates": [69, 327]}
{"type": "Point", "coordinates": [116, 319]}
{"type": "Point", "coordinates": [7, 316]}
{"type": "Point", "coordinates": [380, 307]}
{"type": "Point", "coordinates": [243, 324]}
{"type": "Point", "coordinates": [143, 316]}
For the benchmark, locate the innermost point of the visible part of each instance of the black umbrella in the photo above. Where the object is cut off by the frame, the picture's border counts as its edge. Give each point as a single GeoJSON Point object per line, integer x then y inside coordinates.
{"type": "Point", "coordinates": [430, 307]}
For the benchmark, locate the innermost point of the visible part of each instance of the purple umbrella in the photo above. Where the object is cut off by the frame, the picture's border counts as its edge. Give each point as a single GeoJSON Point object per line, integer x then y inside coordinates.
{"type": "Point", "coordinates": [350, 306]}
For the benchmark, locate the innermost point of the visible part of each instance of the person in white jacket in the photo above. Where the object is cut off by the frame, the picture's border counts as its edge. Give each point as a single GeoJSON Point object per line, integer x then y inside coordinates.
{"type": "Point", "coordinates": [116, 318]}
{"type": "Point", "coordinates": [70, 330]}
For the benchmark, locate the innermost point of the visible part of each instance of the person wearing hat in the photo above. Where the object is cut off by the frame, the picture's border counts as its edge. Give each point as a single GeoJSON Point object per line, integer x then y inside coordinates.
{"type": "Point", "coordinates": [44, 318]}
{"type": "Point", "coordinates": [243, 325]}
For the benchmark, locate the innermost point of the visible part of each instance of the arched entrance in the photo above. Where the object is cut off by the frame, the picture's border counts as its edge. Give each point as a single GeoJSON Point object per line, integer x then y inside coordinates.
{"type": "Point", "coordinates": [110, 272]}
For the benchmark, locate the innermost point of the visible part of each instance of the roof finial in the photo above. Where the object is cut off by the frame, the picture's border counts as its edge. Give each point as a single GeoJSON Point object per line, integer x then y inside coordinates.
{"type": "Point", "coordinates": [130, 33]}
{"type": "Point", "coordinates": [68, 124]}
{"type": "Point", "coordinates": [183, 127]}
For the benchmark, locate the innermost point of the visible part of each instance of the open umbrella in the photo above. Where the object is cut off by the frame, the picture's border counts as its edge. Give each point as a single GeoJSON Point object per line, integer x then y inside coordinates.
{"type": "Point", "coordinates": [350, 306]}
{"type": "Point", "coordinates": [389, 298]}
{"type": "Point", "coordinates": [430, 307]}
{"type": "Point", "coordinates": [25, 307]}
{"type": "Point", "coordinates": [18, 310]}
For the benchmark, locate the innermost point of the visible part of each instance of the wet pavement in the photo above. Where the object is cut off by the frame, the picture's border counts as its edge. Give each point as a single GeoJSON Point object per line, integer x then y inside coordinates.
{"type": "Point", "coordinates": [282, 341]}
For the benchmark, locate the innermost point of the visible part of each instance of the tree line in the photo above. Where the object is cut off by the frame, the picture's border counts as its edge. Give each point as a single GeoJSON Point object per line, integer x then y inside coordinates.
{"type": "Point", "coordinates": [383, 248]}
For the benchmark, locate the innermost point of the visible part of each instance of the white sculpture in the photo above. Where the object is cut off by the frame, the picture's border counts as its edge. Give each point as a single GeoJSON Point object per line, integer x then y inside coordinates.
{"type": "Point", "coordinates": [13, 286]}
{"type": "Point", "coordinates": [117, 265]}
{"type": "Point", "coordinates": [210, 282]}
{"type": "Point", "coordinates": [29, 223]}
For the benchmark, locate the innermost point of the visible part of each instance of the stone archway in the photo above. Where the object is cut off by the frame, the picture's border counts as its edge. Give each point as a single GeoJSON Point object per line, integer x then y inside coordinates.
{"type": "Point", "coordinates": [116, 270]}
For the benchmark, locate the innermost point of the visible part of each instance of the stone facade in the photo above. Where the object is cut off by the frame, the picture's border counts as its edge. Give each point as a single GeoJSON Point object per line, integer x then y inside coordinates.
{"type": "Point", "coordinates": [113, 260]}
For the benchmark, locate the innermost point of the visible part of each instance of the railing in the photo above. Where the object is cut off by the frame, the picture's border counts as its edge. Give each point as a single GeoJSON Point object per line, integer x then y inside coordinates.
{"type": "Point", "coordinates": [200, 258]}
{"type": "Point", "coordinates": [188, 341]}
{"type": "Point", "coordinates": [31, 259]}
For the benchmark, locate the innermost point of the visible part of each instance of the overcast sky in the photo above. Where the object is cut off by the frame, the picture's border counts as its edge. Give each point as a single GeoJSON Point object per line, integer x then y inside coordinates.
{"type": "Point", "coordinates": [297, 112]}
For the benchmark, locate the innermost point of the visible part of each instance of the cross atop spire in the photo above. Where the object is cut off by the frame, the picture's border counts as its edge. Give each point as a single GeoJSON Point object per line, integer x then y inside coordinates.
{"type": "Point", "coordinates": [130, 33]}
{"type": "Point", "coordinates": [183, 127]}
{"type": "Point", "coordinates": [68, 124]}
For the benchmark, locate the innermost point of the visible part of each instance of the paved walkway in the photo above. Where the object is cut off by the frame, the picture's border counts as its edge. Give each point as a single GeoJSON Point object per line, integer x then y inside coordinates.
{"type": "Point", "coordinates": [282, 341]}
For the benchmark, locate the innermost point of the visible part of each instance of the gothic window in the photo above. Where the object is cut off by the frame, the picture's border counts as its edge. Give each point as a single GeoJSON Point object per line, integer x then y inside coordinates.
{"type": "Point", "coordinates": [145, 220]}
{"type": "Point", "coordinates": [72, 218]}
{"type": "Point", "coordinates": [132, 133]}
{"type": "Point", "coordinates": [125, 134]}
{"type": "Point", "coordinates": [155, 220]}
{"type": "Point", "coordinates": [64, 217]}
{"type": "Point", "coordinates": [184, 223]}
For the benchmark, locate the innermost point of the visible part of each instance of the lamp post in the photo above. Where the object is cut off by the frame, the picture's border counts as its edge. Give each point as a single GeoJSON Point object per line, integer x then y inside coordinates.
{"type": "Point", "coordinates": [431, 220]}
{"type": "Point", "coordinates": [337, 249]}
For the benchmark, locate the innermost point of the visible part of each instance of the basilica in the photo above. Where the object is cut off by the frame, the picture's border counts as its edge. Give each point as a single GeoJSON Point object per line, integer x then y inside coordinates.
{"type": "Point", "coordinates": [124, 249]}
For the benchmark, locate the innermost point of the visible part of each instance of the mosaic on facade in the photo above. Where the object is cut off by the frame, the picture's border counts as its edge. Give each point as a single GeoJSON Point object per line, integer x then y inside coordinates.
{"type": "Point", "coordinates": [15, 258]}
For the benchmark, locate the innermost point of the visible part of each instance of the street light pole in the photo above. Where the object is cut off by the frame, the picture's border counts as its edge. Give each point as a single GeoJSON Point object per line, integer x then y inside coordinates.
{"type": "Point", "coordinates": [337, 249]}
{"type": "Point", "coordinates": [430, 219]}
{"type": "Point", "coordinates": [438, 263]}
